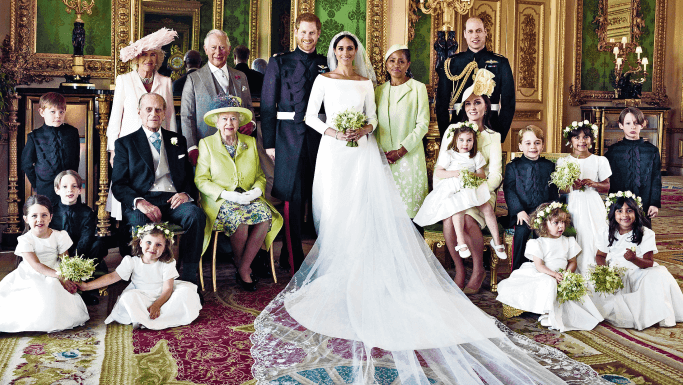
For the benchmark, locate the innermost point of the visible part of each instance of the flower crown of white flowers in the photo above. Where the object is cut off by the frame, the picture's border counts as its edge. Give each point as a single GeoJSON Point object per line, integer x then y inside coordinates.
{"type": "Point", "coordinates": [612, 198]}
{"type": "Point", "coordinates": [451, 129]}
{"type": "Point", "coordinates": [567, 130]}
{"type": "Point", "coordinates": [542, 215]}
{"type": "Point", "coordinates": [162, 226]}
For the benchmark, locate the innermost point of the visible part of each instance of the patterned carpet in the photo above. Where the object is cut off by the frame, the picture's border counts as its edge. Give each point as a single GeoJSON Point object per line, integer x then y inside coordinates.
{"type": "Point", "coordinates": [215, 348]}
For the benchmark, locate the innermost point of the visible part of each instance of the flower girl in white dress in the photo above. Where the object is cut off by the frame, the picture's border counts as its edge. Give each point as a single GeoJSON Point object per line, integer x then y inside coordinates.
{"type": "Point", "coordinates": [584, 202]}
{"type": "Point", "coordinates": [651, 294]}
{"type": "Point", "coordinates": [533, 287]}
{"type": "Point", "coordinates": [154, 299]}
{"type": "Point", "coordinates": [33, 297]}
{"type": "Point", "coordinates": [451, 195]}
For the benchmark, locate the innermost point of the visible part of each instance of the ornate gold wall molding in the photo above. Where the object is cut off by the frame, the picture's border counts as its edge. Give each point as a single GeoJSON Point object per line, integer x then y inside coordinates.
{"type": "Point", "coordinates": [218, 14]}
{"type": "Point", "coordinates": [376, 35]}
{"type": "Point", "coordinates": [528, 115]}
{"type": "Point", "coordinates": [529, 53]}
{"type": "Point", "coordinates": [656, 97]}
{"type": "Point", "coordinates": [122, 32]}
{"type": "Point", "coordinates": [168, 7]}
{"type": "Point", "coordinates": [413, 17]}
{"type": "Point", "coordinates": [253, 29]}
{"type": "Point", "coordinates": [489, 12]}
{"type": "Point", "coordinates": [27, 66]}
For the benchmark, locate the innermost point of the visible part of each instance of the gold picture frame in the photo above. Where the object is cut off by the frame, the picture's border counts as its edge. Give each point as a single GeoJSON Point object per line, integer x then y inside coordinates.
{"type": "Point", "coordinates": [35, 67]}
{"type": "Point", "coordinates": [656, 97]}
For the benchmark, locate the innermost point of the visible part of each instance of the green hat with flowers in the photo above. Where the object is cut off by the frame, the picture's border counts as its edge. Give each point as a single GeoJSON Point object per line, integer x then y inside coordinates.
{"type": "Point", "coordinates": [227, 103]}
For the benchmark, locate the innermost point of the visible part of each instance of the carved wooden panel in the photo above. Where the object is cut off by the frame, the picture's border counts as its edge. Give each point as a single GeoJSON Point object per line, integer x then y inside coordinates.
{"type": "Point", "coordinates": [529, 56]}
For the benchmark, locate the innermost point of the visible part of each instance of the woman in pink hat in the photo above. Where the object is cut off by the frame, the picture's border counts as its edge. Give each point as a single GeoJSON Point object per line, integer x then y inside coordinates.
{"type": "Point", "coordinates": [145, 57]}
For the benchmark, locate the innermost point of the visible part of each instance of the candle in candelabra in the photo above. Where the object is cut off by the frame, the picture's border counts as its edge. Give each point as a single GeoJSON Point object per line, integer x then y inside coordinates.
{"type": "Point", "coordinates": [616, 52]}
{"type": "Point", "coordinates": [639, 50]}
{"type": "Point", "coordinates": [619, 63]}
{"type": "Point", "coordinates": [611, 40]}
{"type": "Point", "coordinates": [644, 62]}
{"type": "Point", "coordinates": [623, 41]}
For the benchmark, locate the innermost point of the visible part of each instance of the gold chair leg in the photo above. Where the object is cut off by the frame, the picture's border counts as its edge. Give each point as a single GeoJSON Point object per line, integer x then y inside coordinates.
{"type": "Point", "coordinates": [272, 264]}
{"type": "Point", "coordinates": [213, 262]}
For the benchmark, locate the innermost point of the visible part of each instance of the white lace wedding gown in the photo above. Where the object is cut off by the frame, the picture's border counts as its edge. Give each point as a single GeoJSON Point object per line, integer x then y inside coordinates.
{"type": "Point", "coordinates": [371, 301]}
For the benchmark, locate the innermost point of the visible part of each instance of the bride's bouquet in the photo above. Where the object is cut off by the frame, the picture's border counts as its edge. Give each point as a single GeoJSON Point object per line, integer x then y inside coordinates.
{"type": "Point", "coordinates": [607, 280]}
{"type": "Point", "coordinates": [77, 268]}
{"type": "Point", "coordinates": [572, 287]}
{"type": "Point", "coordinates": [565, 175]}
{"type": "Point", "coordinates": [349, 120]}
{"type": "Point", "coordinates": [469, 180]}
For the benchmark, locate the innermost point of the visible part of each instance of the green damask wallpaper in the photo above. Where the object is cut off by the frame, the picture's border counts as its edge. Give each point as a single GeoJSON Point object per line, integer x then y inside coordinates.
{"type": "Point", "coordinates": [597, 68]}
{"type": "Point", "coordinates": [337, 16]}
{"type": "Point", "coordinates": [205, 24]}
{"type": "Point", "coordinates": [54, 26]}
{"type": "Point", "coordinates": [420, 48]}
{"type": "Point", "coordinates": [236, 24]}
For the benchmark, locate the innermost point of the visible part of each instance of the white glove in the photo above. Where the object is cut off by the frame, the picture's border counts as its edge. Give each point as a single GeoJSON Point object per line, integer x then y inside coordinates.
{"type": "Point", "coordinates": [235, 197]}
{"type": "Point", "coordinates": [253, 194]}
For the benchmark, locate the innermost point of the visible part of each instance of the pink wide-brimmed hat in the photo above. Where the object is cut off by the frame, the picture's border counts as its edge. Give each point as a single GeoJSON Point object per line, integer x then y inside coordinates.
{"type": "Point", "coordinates": [151, 42]}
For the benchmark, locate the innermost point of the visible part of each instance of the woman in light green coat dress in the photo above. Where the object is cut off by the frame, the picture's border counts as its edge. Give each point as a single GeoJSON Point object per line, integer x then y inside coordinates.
{"type": "Point", "coordinates": [403, 115]}
{"type": "Point", "coordinates": [231, 183]}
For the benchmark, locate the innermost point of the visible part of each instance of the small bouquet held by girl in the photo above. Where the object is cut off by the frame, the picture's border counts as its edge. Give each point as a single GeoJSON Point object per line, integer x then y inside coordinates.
{"type": "Point", "coordinates": [648, 293]}
{"type": "Point", "coordinates": [459, 184]}
{"type": "Point", "coordinates": [76, 268]}
{"type": "Point", "coordinates": [154, 298]}
{"type": "Point", "coordinates": [548, 286]}
{"type": "Point", "coordinates": [349, 120]}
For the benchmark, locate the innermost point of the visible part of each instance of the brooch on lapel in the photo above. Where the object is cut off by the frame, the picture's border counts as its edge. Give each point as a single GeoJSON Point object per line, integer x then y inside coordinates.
{"type": "Point", "coordinates": [237, 77]}
{"type": "Point", "coordinates": [174, 141]}
{"type": "Point", "coordinates": [243, 145]}
{"type": "Point", "coordinates": [244, 88]}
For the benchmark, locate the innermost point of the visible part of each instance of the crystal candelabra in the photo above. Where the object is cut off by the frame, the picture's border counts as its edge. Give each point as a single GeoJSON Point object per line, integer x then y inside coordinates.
{"type": "Point", "coordinates": [446, 8]}
{"type": "Point", "coordinates": [628, 83]}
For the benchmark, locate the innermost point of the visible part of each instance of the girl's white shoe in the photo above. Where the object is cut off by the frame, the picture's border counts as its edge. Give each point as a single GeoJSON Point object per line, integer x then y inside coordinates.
{"type": "Point", "coordinates": [463, 250]}
{"type": "Point", "coordinates": [500, 250]}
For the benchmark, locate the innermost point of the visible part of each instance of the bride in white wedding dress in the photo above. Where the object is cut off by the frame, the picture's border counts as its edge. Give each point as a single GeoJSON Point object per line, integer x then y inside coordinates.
{"type": "Point", "coordinates": [371, 304]}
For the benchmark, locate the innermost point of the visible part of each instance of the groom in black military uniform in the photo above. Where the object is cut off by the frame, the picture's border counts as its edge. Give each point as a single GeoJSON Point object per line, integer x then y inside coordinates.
{"type": "Point", "coordinates": [452, 75]}
{"type": "Point", "coordinates": [287, 139]}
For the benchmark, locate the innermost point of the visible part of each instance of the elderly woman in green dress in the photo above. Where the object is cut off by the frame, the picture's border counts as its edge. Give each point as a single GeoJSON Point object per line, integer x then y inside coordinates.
{"type": "Point", "coordinates": [231, 183]}
{"type": "Point", "coordinates": [403, 114]}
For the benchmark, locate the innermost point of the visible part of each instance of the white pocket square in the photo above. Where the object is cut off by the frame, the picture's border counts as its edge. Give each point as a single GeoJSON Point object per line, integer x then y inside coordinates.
{"type": "Point", "coordinates": [181, 156]}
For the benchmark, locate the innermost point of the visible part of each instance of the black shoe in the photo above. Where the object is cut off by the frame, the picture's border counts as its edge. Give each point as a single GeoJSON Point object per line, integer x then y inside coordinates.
{"type": "Point", "coordinates": [246, 286]}
{"type": "Point", "coordinates": [254, 278]}
{"type": "Point", "coordinates": [261, 265]}
{"type": "Point", "coordinates": [201, 297]}
{"type": "Point", "coordinates": [89, 299]}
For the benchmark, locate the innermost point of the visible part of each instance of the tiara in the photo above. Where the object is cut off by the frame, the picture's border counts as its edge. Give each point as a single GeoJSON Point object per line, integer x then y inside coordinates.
{"type": "Point", "coordinates": [164, 227]}
{"type": "Point", "coordinates": [612, 198]}
{"type": "Point", "coordinates": [542, 215]}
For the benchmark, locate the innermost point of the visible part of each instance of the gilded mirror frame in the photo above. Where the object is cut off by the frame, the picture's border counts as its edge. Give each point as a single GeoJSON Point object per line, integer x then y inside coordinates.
{"type": "Point", "coordinates": [172, 8]}
{"type": "Point", "coordinates": [253, 24]}
{"type": "Point", "coordinates": [36, 67]}
{"type": "Point", "coordinates": [656, 97]}
{"type": "Point", "coordinates": [375, 30]}
{"type": "Point", "coordinates": [635, 28]}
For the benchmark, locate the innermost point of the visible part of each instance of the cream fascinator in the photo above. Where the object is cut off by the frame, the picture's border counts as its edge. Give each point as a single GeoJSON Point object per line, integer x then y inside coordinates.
{"type": "Point", "coordinates": [151, 42]}
{"type": "Point", "coordinates": [483, 85]}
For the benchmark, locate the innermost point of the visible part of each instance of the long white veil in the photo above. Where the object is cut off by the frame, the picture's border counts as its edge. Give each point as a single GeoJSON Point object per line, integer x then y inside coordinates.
{"type": "Point", "coordinates": [362, 65]}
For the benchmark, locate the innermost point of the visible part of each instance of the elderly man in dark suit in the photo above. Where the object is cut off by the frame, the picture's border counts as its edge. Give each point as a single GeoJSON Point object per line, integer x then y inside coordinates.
{"type": "Point", "coordinates": [202, 87]}
{"type": "Point", "coordinates": [154, 181]}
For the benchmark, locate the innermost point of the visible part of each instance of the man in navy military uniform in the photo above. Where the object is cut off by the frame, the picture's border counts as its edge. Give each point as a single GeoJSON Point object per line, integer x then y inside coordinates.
{"type": "Point", "coordinates": [503, 97]}
{"type": "Point", "coordinates": [291, 144]}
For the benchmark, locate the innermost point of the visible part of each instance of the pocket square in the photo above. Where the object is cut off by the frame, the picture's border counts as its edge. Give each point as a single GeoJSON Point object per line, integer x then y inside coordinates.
{"type": "Point", "coordinates": [181, 156]}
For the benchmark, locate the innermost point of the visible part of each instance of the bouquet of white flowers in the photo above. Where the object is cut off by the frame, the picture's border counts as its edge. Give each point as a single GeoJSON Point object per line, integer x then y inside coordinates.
{"type": "Point", "coordinates": [469, 180]}
{"type": "Point", "coordinates": [607, 279]}
{"type": "Point", "coordinates": [564, 176]}
{"type": "Point", "coordinates": [349, 120]}
{"type": "Point", "coordinates": [76, 268]}
{"type": "Point", "coordinates": [572, 287]}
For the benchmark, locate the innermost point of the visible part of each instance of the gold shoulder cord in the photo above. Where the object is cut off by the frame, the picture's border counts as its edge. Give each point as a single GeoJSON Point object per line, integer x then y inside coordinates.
{"type": "Point", "coordinates": [469, 69]}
